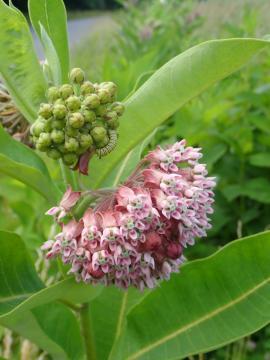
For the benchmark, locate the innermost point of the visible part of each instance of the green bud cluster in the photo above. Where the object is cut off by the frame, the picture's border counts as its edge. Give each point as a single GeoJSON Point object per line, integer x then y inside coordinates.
{"type": "Point", "coordinates": [78, 117]}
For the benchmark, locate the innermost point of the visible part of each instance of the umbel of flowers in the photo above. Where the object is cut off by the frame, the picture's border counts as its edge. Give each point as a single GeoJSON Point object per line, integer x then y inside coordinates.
{"type": "Point", "coordinates": [79, 119]}
{"type": "Point", "coordinates": [136, 235]}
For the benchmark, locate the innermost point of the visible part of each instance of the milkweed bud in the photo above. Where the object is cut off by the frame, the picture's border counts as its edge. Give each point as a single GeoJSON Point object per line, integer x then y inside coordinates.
{"type": "Point", "coordinates": [77, 76]}
{"type": "Point", "coordinates": [57, 136]}
{"type": "Point", "coordinates": [118, 107]}
{"type": "Point", "coordinates": [48, 125]}
{"type": "Point", "coordinates": [53, 94]}
{"type": "Point", "coordinates": [87, 88]}
{"type": "Point", "coordinates": [89, 116]}
{"type": "Point", "coordinates": [44, 139]}
{"type": "Point", "coordinates": [104, 96]}
{"type": "Point", "coordinates": [73, 103]}
{"type": "Point", "coordinates": [54, 154]}
{"type": "Point", "coordinates": [110, 86]}
{"type": "Point", "coordinates": [58, 124]}
{"type": "Point", "coordinates": [72, 132]}
{"type": "Point", "coordinates": [60, 102]}
{"type": "Point", "coordinates": [66, 90]}
{"type": "Point", "coordinates": [41, 147]}
{"type": "Point", "coordinates": [101, 110]}
{"type": "Point", "coordinates": [76, 120]}
{"type": "Point", "coordinates": [71, 145]}
{"type": "Point", "coordinates": [99, 133]}
{"type": "Point", "coordinates": [113, 124]}
{"type": "Point", "coordinates": [91, 101]}
{"type": "Point", "coordinates": [85, 140]}
{"type": "Point", "coordinates": [38, 127]}
{"type": "Point", "coordinates": [111, 115]}
{"type": "Point", "coordinates": [102, 143]}
{"type": "Point", "coordinates": [70, 159]}
{"type": "Point", "coordinates": [59, 111]}
{"type": "Point", "coordinates": [45, 111]}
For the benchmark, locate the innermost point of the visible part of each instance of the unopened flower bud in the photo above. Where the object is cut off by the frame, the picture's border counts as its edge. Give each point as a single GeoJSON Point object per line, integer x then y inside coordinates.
{"type": "Point", "coordinates": [54, 154]}
{"type": "Point", "coordinates": [71, 145]}
{"type": "Point", "coordinates": [110, 86]}
{"type": "Point", "coordinates": [99, 133]}
{"type": "Point", "coordinates": [58, 124]}
{"type": "Point", "coordinates": [85, 140]}
{"type": "Point", "coordinates": [77, 76]}
{"type": "Point", "coordinates": [91, 101]}
{"type": "Point", "coordinates": [111, 115]}
{"type": "Point", "coordinates": [73, 103]}
{"type": "Point", "coordinates": [66, 90]}
{"type": "Point", "coordinates": [48, 125]}
{"type": "Point", "coordinates": [57, 136]}
{"type": "Point", "coordinates": [102, 143]}
{"type": "Point", "coordinates": [41, 147]}
{"type": "Point", "coordinates": [72, 132]}
{"type": "Point", "coordinates": [87, 88]}
{"type": "Point", "coordinates": [70, 159]}
{"type": "Point", "coordinates": [101, 110]}
{"type": "Point", "coordinates": [38, 127]}
{"type": "Point", "coordinates": [59, 102]}
{"type": "Point", "coordinates": [118, 107]}
{"type": "Point", "coordinates": [104, 96]}
{"type": "Point", "coordinates": [76, 120]}
{"type": "Point", "coordinates": [44, 139]}
{"type": "Point", "coordinates": [113, 124]}
{"type": "Point", "coordinates": [53, 94]}
{"type": "Point", "coordinates": [89, 116]}
{"type": "Point", "coordinates": [45, 111]}
{"type": "Point", "coordinates": [174, 250]}
{"type": "Point", "coordinates": [59, 111]}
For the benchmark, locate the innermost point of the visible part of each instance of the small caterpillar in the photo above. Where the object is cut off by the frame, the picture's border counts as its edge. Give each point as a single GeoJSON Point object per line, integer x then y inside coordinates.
{"type": "Point", "coordinates": [110, 146]}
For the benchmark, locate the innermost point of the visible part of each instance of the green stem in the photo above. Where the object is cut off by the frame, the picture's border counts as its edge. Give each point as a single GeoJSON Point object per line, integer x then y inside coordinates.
{"type": "Point", "coordinates": [82, 206]}
{"type": "Point", "coordinates": [87, 333]}
{"type": "Point", "coordinates": [64, 173]}
{"type": "Point", "coordinates": [69, 178]}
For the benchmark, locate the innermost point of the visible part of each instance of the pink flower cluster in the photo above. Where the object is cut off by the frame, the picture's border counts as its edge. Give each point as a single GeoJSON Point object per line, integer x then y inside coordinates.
{"type": "Point", "coordinates": [136, 236]}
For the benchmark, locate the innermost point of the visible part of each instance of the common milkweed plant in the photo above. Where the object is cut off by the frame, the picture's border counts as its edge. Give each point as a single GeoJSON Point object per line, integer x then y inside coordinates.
{"type": "Point", "coordinates": [120, 221]}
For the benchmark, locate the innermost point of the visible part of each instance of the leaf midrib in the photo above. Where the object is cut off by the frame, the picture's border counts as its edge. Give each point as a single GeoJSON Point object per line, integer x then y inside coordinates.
{"type": "Point", "coordinates": [206, 317]}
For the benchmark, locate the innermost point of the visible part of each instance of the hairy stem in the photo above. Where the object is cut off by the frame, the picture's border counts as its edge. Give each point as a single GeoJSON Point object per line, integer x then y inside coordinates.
{"type": "Point", "coordinates": [87, 332]}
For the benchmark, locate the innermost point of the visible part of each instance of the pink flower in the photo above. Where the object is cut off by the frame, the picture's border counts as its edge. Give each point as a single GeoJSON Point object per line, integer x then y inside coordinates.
{"type": "Point", "coordinates": [136, 235]}
{"type": "Point", "coordinates": [69, 199]}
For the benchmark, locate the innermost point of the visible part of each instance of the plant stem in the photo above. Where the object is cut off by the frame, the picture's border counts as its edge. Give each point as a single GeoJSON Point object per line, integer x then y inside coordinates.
{"type": "Point", "coordinates": [86, 332]}
{"type": "Point", "coordinates": [63, 172]}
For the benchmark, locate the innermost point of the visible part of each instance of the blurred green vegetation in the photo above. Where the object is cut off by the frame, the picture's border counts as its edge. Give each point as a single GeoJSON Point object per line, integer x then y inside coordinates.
{"type": "Point", "coordinates": [231, 121]}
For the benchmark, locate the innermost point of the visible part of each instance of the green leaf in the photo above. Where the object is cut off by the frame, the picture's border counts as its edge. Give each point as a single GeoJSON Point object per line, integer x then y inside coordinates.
{"type": "Point", "coordinates": [210, 303]}
{"type": "Point", "coordinates": [261, 159]}
{"type": "Point", "coordinates": [51, 56]}
{"type": "Point", "coordinates": [257, 189]}
{"type": "Point", "coordinates": [107, 316]}
{"type": "Point", "coordinates": [19, 65]}
{"type": "Point", "coordinates": [20, 287]}
{"type": "Point", "coordinates": [22, 163]}
{"type": "Point", "coordinates": [52, 15]}
{"type": "Point", "coordinates": [175, 83]}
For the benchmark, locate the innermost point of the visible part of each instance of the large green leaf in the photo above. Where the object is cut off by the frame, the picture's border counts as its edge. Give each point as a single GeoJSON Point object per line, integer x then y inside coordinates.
{"type": "Point", "coordinates": [107, 314]}
{"type": "Point", "coordinates": [22, 163]}
{"type": "Point", "coordinates": [19, 65]}
{"type": "Point", "coordinates": [52, 16]}
{"type": "Point", "coordinates": [20, 287]}
{"type": "Point", "coordinates": [210, 303]}
{"type": "Point", "coordinates": [175, 83]}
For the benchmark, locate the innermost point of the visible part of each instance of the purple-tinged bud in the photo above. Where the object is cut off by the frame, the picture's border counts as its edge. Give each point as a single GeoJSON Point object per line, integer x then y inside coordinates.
{"type": "Point", "coordinates": [76, 76]}
{"type": "Point", "coordinates": [87, 88]}
{"type": "Point", "coordinates": [76, 120]}
{"type": "Point", "coordinates": [45, 111]}
{"type": "Point", "coordinates": [59, 111]}
{"type": "Point", "coordinates": [153, 241]}
{"type": "Point", "coordinates": [73, 103]}
{"type": "Point", "coordinates": [174, 250]}
{"type": "Point", "coordinates": [66, 91]}
{"type": "Point", "coordinates": [91, 101]}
